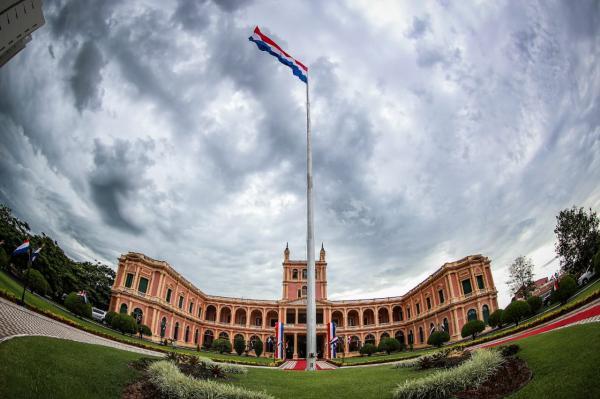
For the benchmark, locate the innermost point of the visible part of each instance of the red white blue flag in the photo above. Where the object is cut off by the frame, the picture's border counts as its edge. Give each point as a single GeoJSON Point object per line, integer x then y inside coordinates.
{"type": "Point", "coordinates": [332, 339]}
{"type": "Point", "coordinates": [265, 43]}
{"type": "Point", "coordinates": [279, 338]}
{"type": "Point", "coordinates": [21, 249]}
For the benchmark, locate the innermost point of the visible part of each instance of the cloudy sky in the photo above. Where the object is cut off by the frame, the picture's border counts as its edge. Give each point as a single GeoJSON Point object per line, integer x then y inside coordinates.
{"type": "Point", "coordinates": [440, 129]}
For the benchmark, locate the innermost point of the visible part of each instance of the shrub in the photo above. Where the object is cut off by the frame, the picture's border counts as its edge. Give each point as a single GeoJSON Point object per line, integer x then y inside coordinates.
{"type": "Point", "coordinates": [258, 347]}
{"type": "Point", "coordinates": [172, 383]}
{"type": "Point", "coordinates": [76, 304]}
{"type": "Point", "coordinates": [109, 316]}
{"type": "Point", "coordinates": [509, 350]}
{"type": "Point", "coordinates": [515, 311]}
{"type": "Point", "coordinates": [495, 319]}
{"type": "Point", "coordinates": [535, 303]}
{"type": "Point", "coordinates": [389, 345]}
{"type": "Point", "coordinates": [36, 281]}
{"type": "Point", "coordinates": [437, 338]}
{"type": "Point", "coordinates": [144, 330]}
{"type": "Point", "coordinates": [124, 323]}
{"type": "Point", "coordinates": [239, 344]}
{"type": "Point", "coordinates": [566, 287]}
{"type": "Point", "coordinates": [222, 345]}
{"type": "Point", "coordinates": [443, 383]}
{"type": "Point", "coordinates": [368, 349]}
{"type": "Point", "coordinates": [472, 328]}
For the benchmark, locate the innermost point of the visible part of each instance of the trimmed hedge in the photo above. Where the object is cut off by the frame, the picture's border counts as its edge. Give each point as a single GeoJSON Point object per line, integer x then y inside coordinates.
{"type": "Point", "coordinates": [172, 383]}
{"type": "Point", "coordinates": [472, 328]}
{"type": "Point", "coordinates": [368, 349]}
{"type": "Point", "coordinates": [36, 281]}
{"type": "Point", "coordinates": [76, 304]}
{"type": "Point", "coordinates": [221, 345]}
{"type": "Point", "coordinates": [389, 345]}
{"type": "Point", "coordinates": [535, 303]}
{"type": "Point", "coordinates": [124, 323]}
{"type": "Point", "coordinates": [437, 338]}
{"type": "Point", "coordinates": [515, 311]}
{"type": "Point", "coordinates": [443, 383]}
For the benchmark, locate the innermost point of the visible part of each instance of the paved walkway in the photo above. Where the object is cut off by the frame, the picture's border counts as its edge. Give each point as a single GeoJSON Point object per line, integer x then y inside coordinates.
{"type": "Point", "coordinates": [17, 321]}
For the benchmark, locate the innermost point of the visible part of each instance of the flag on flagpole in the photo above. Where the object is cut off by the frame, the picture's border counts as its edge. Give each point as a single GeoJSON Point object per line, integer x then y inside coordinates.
{"type": "Point", "coordinates": [333, 340]}
{"type": "Point", "coordinates": [265, 43]}
{"type": "Point", "coordinates": [21, 249]}
{"type": "Point", "coordinates": [35, 254]}
{"type": "Point", "coordinates": [279, 338]}
{"type": "Point", "coordinates": [83, 294]}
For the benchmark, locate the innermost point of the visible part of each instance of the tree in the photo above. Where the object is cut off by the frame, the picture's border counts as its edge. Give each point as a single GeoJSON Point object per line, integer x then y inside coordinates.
{"type": "Point", "coordinates": [521, 276]}
{"type": "Point", "coordinates": [437, 338]}
{"type": "Point", "coordinates": [389, 345]}
{"type": "Point", "coordinates": [495, 319]}
{"type": "Point", "coordinates": [535, 303]}
{"type": "Point", "coordinates": [222, 345]}
{"type": "Point", "coordinates": [472, 328]}
{"type": "Point", "coordinates": [4, 259]}
{"type": "Point", "coordinates": [596, 262]}
{"type": "Point", "coordinates": [368, 349]}
{"type": "Point", "coordinates": [566, 287]}
{"type": "Point", "coordinates": [239, 344]}
{"type": "Point", "coordinates": [144, 330]}
{"type": "Point", "coordinates": [124, 323]}
{"type": "Point", "coordinates": [36, 282]}
{"type": "Point", "coordinates": [515, 311]}
{"type": "Point", "coordinates": [578, 238]}
{"type": "Point", "coordinates": [258, 347]}
{"type": "Point", "coordinates": [109, 316]}
{"type": "Point", "coordinates": [77, 305]}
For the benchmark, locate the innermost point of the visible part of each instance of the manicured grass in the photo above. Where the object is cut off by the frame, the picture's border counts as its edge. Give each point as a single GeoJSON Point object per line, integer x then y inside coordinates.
{"type": "Point", "coordinates": [378, 358]}
{"type": "Point", "coordinates": [564, 363]}
{"type": "Point", "coordinates": [40, 367]}
{"type": "Point", "coordinates": [10, 285]}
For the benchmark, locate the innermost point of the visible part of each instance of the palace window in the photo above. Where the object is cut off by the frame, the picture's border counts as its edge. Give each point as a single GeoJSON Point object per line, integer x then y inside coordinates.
{"type": "Point", "coordinates": [471, 315]}
{"type": "Point", "coordinates": [418, 308]}
{"type": "Point", "coordinates": [408, 313]}
{"type": "Point", "coordinates": [480, 282]}
{"type": "Point", "coordinates": [441, 295]}
{"type": "Point", "coordinates": [428, 303]}
{"type": "Point", "coordinates": [295, 274]}
{"type": "Point", "coordinates": [290, 316]}
{"type": "Point", "coordinates": [467, 288]}
{"type": "Point", "coordinates": [143, 285]}
{"type": "Point", "coordinates": [199, 311]}
{"type": "Point", "coordinates": [129, 280]}
{"type": "Point", "coordinates": [169, 292]}
{"type": "Point", "coordinates": [303, 274]}
{"type": "Point", "coordinates": [191, 307]}
{"type": "Point", "coordinates": [421, 335]}
{"type": "Point", "coordinates": [299, 293]}
{"type": "Point", "coordinates": [181, 302]}
{"type": "Point", "coordinates": [303, 290]}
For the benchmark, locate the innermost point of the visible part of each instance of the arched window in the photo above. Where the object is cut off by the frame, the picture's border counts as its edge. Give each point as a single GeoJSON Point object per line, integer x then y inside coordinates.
{"type": "Point", "coordinates": [486, 314]}
{"type": "Point", "coordinates": [431, 328]}
{"type": "Point", "coordinates": [471, 315]}
{"type": "Point", "coordinates": [208, 338]}
{"type": "Point", "coordinates": [303, 274]}
{"type": "Point", "coordinates": [196, 337]}
{"type": "Point", "coordinates": [397, 313]}
{"type": "Point", "coordinates": [370, 339]}
{"type": "Point", "coordinates": [446, 326]}
{"type": "Point", "coordinates": [399, 336]}
{"type": "Point", "coordinates": [421, 336]}
{"type": "Point", "coordinates": [176, 331]}
{"type": "Point", "coordinates": [138, 315]}
{"type": "Point", "coordinates": [270, 344]}
{"type": "Point", "coordinates": [295, 274]}
{"type": "Point", "coordinates": [163, 327]}
{"type": "Point", "coordinates": [224, 335]}
{"type": "Point", "coordinates": [411, 337]}
{"type": "Point", "coordinates": [123, 308]}
{"type": "Point", "coordinates": [383, 336]}
{"type": "Point", "coordinates": [354, 343]}
{"type": "Point", "coordinates": [187, 333]}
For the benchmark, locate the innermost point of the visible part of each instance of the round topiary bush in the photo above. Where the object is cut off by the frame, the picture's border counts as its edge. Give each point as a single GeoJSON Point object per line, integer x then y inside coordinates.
{"type": "Point", "coordinates": [567, 286]}
{"type": "Point", "coordinates": [437, 338]}
{"type": "Point", "coordinates": [77, 305]}
{"type": "Point", "coordinates": [535, 303]}
{"type": "Point", "coordinates": [109, 316]}
{"type": "Point", "coordinates": [124, 323]}
{"type": "Point", "coordinates": [239, 344]}
{"type": "Point", "coordinates": [495, 319]}
{"type": "Point", "coordinates": [144, 330]}
{"type": "Point", "coordinates": [258, 347]}
{"type": "Point", "coordinates": [36, 281]}
{"type": "Point", "coordinates": [368, 349]}
{"type": "Point", "coordinates": [515, 311]}
{"type": "Point", "coordinates": [389, 345]}
{"type": "Point", "coordinates": [221, 345]}
{"type": "Point", "coordinates": [472, 328]}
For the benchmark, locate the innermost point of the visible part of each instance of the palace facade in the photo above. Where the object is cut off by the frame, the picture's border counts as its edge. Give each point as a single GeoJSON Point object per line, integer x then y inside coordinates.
{"type": "Point", "coordinates": [175, 309]}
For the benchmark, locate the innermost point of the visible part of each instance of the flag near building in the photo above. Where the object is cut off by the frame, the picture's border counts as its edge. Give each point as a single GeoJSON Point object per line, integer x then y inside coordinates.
{"type": "Point", "coordinates": [279, 339]}
{"type": "Point", "coordinates": [265, 43]}
{"type": "Point", "coordinates": [332, 339]}
{"type": "Point", "coordinates": [21, 249]}
{"type": "Point", "coordinates": [36, 253]}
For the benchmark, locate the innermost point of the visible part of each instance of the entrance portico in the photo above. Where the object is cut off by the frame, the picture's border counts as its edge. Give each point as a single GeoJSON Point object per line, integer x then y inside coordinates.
{"type": "Point", "coordinates": [296, 346]}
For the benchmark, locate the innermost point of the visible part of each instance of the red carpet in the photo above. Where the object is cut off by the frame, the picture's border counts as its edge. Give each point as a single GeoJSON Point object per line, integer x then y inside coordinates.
{"type": "Point", "coordinates": [591, 312]}
{"type": "Point", "coordinates": [301, 365]}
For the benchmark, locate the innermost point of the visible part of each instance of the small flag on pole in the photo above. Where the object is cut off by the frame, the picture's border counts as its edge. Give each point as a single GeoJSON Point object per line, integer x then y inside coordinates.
{"type": "Point", "coordinates": [265, 43]}
{"type": "Point", "coordinates": [35, 254]}
{"type": "Point", "coordinates": [83, 294]}
{"type": "Point", "coordinates": [21, 249]}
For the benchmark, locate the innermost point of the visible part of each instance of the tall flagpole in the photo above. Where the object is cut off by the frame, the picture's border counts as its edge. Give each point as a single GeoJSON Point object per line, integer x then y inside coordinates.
{"type": "Point", "coordinates": [311, 306]}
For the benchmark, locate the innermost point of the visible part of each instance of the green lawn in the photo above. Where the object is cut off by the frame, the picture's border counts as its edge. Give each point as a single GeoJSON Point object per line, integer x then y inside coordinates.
{"type": "Point", "coordinates": [564, 363]}
{"type": "Point", "coordinates": [14, 287]}
{"type": "Point", "coordinates": [40, 367]}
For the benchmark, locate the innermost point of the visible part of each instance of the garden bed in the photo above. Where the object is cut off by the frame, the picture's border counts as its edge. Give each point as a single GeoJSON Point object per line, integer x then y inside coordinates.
{"type": "Point", "coordinates": [511, 376]}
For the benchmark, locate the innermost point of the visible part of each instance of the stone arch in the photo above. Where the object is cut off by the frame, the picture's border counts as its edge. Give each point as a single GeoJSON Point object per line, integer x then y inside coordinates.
{"type": "Point", "coordinates": [370, 339]}
{"type": "Point", "coordinates": [256, 318]}
{"type": "Point", "coordinates": [187, 334]}
{"type": "Point", "coordinates": [236, 336]}
{"type": "Point", "coordinates": [383, 335]}
{"type": "Point", "coordinates": [270, 344]}
{"type": "Point", "coordinates": [411, 337]}
{"type": "Point", "coordinates": [225, 315]}
{"type": "Point", "coordinates": [338, 318]}
{"type": "Point", "coordinates": [368, 317]}
{"type": "Point", "coordinates": [208, 338]}
{"type": "Point", "coordinates": [471, 315]}
{"type": "Point", "coordinates": [421, 335]}
{"type": "Point", "coordinates": [196, 336]}
{"type": "Point", "coordinates": [272, 317]}
{"type": "Point", "coordinates": [397, 313]}
{"type": "Point", "coordinates": [400, 336]}
{"type": "Point", "coordinates": [485, 310]}
{"type": "Point", "coordinates": [123, 308]}
{"type": "Point", "coordinates": [354, 344]}
{"type": "Point", "coordinates": [383, 315]}
{"type": "Point", "coordinates": [240, 317]}
{"type": "Point", "coordinates": [138, 315]}
{"type": "Point", "coordinates": [446, 325]}
{"type": "Point", "coordinates": [224, 335]}
{"type": "Point", "coordinates": [176, 331]}
{"type": "Point", "coordinates": [353, 318]}
{"type": "Point", "coordinates": [211, 313]}
{"type": "Point", "coordinates": [163, 327]}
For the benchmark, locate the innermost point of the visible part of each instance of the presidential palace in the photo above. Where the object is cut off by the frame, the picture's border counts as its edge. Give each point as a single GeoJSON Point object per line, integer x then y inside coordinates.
{"type": "Point", "coordinates": [177, 311]}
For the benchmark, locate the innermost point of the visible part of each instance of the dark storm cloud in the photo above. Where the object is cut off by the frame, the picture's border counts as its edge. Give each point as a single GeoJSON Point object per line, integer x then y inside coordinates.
{"type": "Point", "coordinates": [87, 76]}
{"type": "Point", "coordinates": [192, 15]}
{"type": "Point", "coordinates": [420, 26]}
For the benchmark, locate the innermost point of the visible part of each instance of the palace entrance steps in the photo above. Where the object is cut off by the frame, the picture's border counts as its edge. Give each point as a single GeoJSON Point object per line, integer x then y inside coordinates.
{"type": "Point", "coordinates": [300, 365]}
